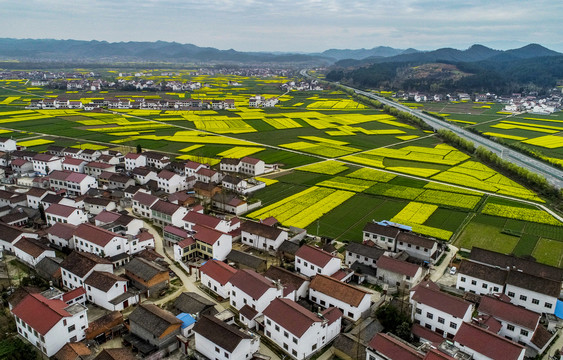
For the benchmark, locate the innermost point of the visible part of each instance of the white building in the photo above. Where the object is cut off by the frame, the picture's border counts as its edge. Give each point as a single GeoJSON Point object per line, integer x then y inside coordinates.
{"type": "Point", "coordinates": [215, 275]}
{"type": "Point", "coordinates": [44, 164]}
{"type": "Point", "coordinates": [171, 182]}
{"type": "Point", "coordinates": [252, 289]}
{"type": "Point", "coordinates": [65, 214]}
{"type": "Point", "coordinates": [75, 165]}
{"type": "Point", "coordinates": [133, 160]}
{"type": "Point", "coordinates": [49, 324]}
{"type": "Point", "coordinates": [399, 273]}
{"type": "Point", "coordinates": [363, 254]}
{"type": "Point", "coordinates": [142, 203]}
{"type": "Point", "coordinates": [482, 344]}
{"type": "Point", "coordinates": [532, 292]}
{"type": "Point", "coordinates": [211, 243]}
{"type": "Point", "coordinates": [438, 311]}
{"type": "Point", "coordinates": [480, 279]}
{"type": "Point", "coordinates": [251, 166]}
{"type": "Point", "coordinates": [217, 340]}
{"type": "Point", "coordinates": [298, 331]}
{"type": "Point", "coordinates": [329, 292]}
{"type": "Point", "coordinates": [77, 266]}
{"type": "Point", "coordinates": [109, 291]}
{"type": "Point", "coordinates": [262, 236]}
{"type": "Point", "coordinates": [60, 235]}
{"type": "Point", "coordinates": [72, 183]}
{"type": "Point", "coordinates": [11, 235]}
{"type": "Point", "coordinates": [7, 145]}
{"type": "Point", "coordinates": [164, 213]}
{"type": "Point", "coordinates": [310, 261]}
{"type": "Point", "coordinates": [32, 251]}
{"type": "Point", "coordinates": [104, 243]}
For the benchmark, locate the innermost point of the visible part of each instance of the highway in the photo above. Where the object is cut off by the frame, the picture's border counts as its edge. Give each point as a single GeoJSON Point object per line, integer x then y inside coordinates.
{"type": "Point", "coordinates": [553, 175]}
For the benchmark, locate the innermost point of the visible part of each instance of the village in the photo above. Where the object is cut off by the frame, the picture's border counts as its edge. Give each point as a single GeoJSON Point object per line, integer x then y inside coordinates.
{"type": "Point", "coordinates": [138, 255]}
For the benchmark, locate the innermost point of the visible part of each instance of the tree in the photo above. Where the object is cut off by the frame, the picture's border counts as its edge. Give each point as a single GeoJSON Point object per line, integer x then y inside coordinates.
{"type": "Point", "coordinates": [139, 149]}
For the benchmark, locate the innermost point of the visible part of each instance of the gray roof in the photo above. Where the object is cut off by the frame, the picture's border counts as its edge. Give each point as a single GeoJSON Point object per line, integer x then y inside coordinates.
{"type": "Point", "coordinates": [245, 259]}
{"type": "Point", "coordinates": [371, 252]}
{"type": "Point", "coordinates": [483, 272]}
{"type": "Point", "coordinates": [192, 303]}
{"type": "Point", "coordinates": [144, 269]}
{"type": "Point", "coordinates": [388, 231]}
{"type": "Point", "coordinates": [223, 335]}
{"type": "Point", "coordinates": [534, 283]}
{"type": "Point", "coordinates": [153, 319]}
{"type": "Point", "coordinates": [289, 247]}
{"type": "Point", "coordinates": [48, 265]}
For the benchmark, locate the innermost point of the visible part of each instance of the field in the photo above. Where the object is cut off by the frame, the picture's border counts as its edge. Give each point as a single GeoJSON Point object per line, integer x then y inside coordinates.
{"type": "Point", "coordinates": [342, 164]}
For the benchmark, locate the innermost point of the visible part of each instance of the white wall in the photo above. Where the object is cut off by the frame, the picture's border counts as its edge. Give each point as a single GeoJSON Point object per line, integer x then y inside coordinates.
{"type": "Point", "coordinates": [308, 269]}
{"type": "Point", "coordinates": [534, 301]}
{"type": "Point", "coordinates": [476, 285]}
{"type": "Point", "coordinates": [350, 311]}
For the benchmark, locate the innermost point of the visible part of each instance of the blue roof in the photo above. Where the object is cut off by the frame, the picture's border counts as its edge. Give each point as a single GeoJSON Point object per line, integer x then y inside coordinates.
{"type": "Point", "coordinates": [186, 318]}
{"type": "Point", "coordinates": [559, 309]}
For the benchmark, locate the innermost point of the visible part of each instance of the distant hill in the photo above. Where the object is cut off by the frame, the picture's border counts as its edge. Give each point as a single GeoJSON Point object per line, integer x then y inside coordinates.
{"type": "Point", "coordinates": [358, 54]}
{"type": "Point", "coordinates": [76, 50]}
{"type": "Point", "coordinates": [474, 53]}
{"type": "Point", "coordinates": [477, 69]}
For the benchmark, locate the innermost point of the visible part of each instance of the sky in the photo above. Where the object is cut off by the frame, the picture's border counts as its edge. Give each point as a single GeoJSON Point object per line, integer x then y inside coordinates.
{"type": "Point", "coordinates": [292, 25]}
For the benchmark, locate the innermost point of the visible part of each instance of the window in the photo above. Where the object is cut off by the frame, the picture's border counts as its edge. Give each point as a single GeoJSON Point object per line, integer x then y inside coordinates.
{"type": "Point", "coordinates": [226, 354]}
{"type": "Point", "coordinates": [535, 301]}
{"type": "Point", "coordinates": [294, 340]}
{"type": "Point", "coordinates": [71, 328]}
{"type": "Point", "coordinates": [314, 347]}
{"type": "Point", "coordinates": [268, 322]}
{"type": "Point", "coordinates": [510, 327]}
{"type": "Point", "coordinates": [441, 320]}
{"type": "Point", "coordinates": [277, 328]}
{"type": "Point", "coordinates": [313, 298]}
{"type": "Point", "coordinates": [473, 282]}
{"type": "Point", "coordinates": [429, 315]}
{"type": "Point", "coordinates": [524, 332]}
{"type": "Point", "coordinates": [216, 349]}
{"type": "Point", "coordinates": [294, 352]}
{"type": "Point", "coordinates": [484, 286]}
{"type": "Point", "coordinates": [285, 346]}
{"type": "Point", "coordinates": [453, 325]}
{"type": "Point", "coordinates": [286, 334]}
{"type": "Point", "coordinates": [548, 305]}
{"type": "Point", "coordinates": [511, 294]}
{"type": "Point", "coordinates": [523, 297]}
{"type": "Point", "coordinates": [350, 314]}
{"type": "Point", "coordinates": [496, 289]}
{"type": "Point", "coordinates": [418, 311]}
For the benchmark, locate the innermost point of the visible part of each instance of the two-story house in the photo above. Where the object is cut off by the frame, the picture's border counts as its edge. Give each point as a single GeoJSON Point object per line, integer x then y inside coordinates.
{"type": "Point", "coordinates": [329, 292]}
{"type": "Point", "coordinates": [215, 276]}
{"type": "Point", "coordinates": [77, 266]}
{"type": "Point", "coordinates": [310, 261]}
{"type": "Point", "coordinates": [261, 236]}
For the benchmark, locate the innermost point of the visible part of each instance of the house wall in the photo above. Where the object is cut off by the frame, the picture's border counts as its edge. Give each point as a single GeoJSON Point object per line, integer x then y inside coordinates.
{"type": "Point", "coordinates": [396, 279]}
{"type": "Point", "coordinates": [308, 269]}
{"type": "Point", "coordinates": [531, 300]}
{"type": "Point", "coordinates": [384, 242]}
{"type": "Point", "coordinates": [29, 259]}
{"type": "Point", "coordinates": [58, 335]}
{"type": "Point", "coordinates": [353, 257]}
{"type": "Point", "coordinates": [244, 350]}
{"type": "Point", "coordinates": [222, 247]}
{"type": "Point", "coordinates": [72, 281]}
{"type": "Point", "coordinates": [223, 291]}
{"type": "Point", "coordinates": [476, 285]}
{"type": "Point", "coordinates": [450, 324]}
{"type": "Point", "coordinates": [167, 340]}
{"type": "Point", "coordinates": [263, 243]}
{"type": "Point", "coordinates": [350, 311]}
{"type": "Point", "coordinates": [239, 298]}
{"type": "Point", "coordinates": [102, 298]}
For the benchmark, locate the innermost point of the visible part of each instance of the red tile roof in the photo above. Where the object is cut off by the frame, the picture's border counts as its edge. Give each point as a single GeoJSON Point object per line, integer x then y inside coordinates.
{"type": "Point", "coordinates": [509, 312]}
{"type": "Point", "coordinates": [436, 355]}
{"type": "Point", "coordinates": [166, 175]}
{"type": "Point", "coordinates": [331, 314]}
{"type": "Point", "coordinates": [393, 348]}
{"type": "Point", "coordinates": [487, 343]}
{"type": "Point", "coordinates": [176, 231]}
{"type": "Point", "coordinates": [60, 210]}
{"type": "Point", "coordinates": [186, 242]}
{"type": "Point", "coordinates": [397, 266]}
{"type": "Point", "coordinates": [441, 301]}
{"type": "Point", "coordinates": [165, 207]}
{"type": "Point", "coordinates": [62, 230]}
{"type": "Point", "coordinates": [427, 334]}
{"type": "Point", "coordinates": [250, 160]}
{"type": "Point", "coordinates": [314, 255]}
{"type": "Point", "coordinates": [291, 316]}
{"type": "Point", "coordinates": [251, 283]}
{"type": "Point", "coordinates": [218, 271]}
{"type": "Point", "coordinates": [32, 247]}
{"type": "Point", "coordinates": [338, 290]}
{"type": "Point", "coordinates": [94, 234]}
{"type": "Point", "coordinates": [202, 219]}
{"type": "Point", "coordinates": [207, 235]}
{"type": "Point", "coordinates": [40, 313]}
{"type": "Point", "coordinates": [73, 294]}
{"type": "Point", "coordinates": [73, 161]}
{"type": "Point", "coordinates": [144, 198]}
{"type": "Point", "coordinates": [132, 156]}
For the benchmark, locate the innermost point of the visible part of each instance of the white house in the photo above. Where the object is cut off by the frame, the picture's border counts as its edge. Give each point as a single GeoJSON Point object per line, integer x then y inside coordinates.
{"type": "Point", "coordinates": [49, 324]}
{"type": "Point", "coordinates": [217, 340]}
{"type": "Point", "coordinates": [44, 164]}
{"type": "Point", "coordinates": [60, 235]}
{"type": "Point", "coordinates": [109, 291]}
{"type": "Point", "coordinates": [144, 174]}
{"type": "Point", "coordinates": [96, 168]}
{"type": "Point", "coordinates": [170, 182]}
{"type": "Point", "coordinates": [399, 273]}
{"type": "Point", "coordinates": [96, 205]}
{"type": "Point", "coordinates": [292, 283]}
{"type": "Point", "coordinates": [329, 292]}
{"type": "Point", "coordinates": [191, 167]}
{"type": "Point", "coordinates": [390, 347]}
{"type": "Point", "coordinates": [480, 279]}
{"type": "Point", "coordinates": [262, 236]}
{"type": "Point", "coordinates": [156, 160]}
{"type": "Point", "coordinates": [251, 166]}
{"type": "Point", "coordinates": [252, 289]}
{"type": "Point", "coordinates": [518, 323]}
{"type": "Point", "coordinates": [35, 195]}
{"type": "Point", "coordinates": [229, 165]}
{"type": "Point", "coordinates": [310, 261]}
{"type": "Point", "coordinates": [119, 223]}
{"type": "Point", "coordinates": [133, 160]}
{"type": "Point", "coordinates": [207, 176]}
{"type": "Point", "coordinates": [75, 165]}
{"type": "Point", "coordinates": [363, 254]}
{"type": "Point", "coordinates": [532, 292]}
{"type": "Point", "coordinates": [76, 267]}
{"type": "Point", "coordinates": [142, 203]}
{"type": "Point", "coordinates": [298, 331]}
{"type": "Point", "coordinates": [215, 275]}
{"type": "Point", "coordinates": [211, 243]}
{"type": "Point", "coordinates": [32, 251]}
{"type": "Point", "coordinates": [7, 145]}
{"type": "Point", "coordinates": [164, 213]}
{"type": "Point", "coordinates": [194, 218]}
{"type": "Point", "coordinates": [438, 311]}
{"type": "Point", "coordinates": [65, 214]}
{"type": "Point", "coordinates": [482, 344]}
{"type": "Point", "coordinates": [72, 183]}
{"type": "Point", "coordinates": [11, 235]}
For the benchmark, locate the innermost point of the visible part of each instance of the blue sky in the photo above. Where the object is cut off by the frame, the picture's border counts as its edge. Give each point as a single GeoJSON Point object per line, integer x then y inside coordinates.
{"type": "Point", "coordinates": [285, 25]}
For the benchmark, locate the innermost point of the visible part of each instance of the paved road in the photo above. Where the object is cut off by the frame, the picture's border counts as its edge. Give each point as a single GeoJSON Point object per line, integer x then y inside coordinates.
{"type": "Point", "coordinates": [553, 176]}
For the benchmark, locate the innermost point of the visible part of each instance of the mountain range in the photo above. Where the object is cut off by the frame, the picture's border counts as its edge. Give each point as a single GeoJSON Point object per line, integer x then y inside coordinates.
{"type": "Point", "coordinates": [42, 50]}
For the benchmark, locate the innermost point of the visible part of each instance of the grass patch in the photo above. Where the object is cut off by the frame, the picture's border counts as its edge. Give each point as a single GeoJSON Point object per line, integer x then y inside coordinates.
{"type": "Point", "coordinates": [549, 252]}
{"type": "Point", "coordinates": [526, 245]}
{"type": "Point", "coordinates": [486, 236]}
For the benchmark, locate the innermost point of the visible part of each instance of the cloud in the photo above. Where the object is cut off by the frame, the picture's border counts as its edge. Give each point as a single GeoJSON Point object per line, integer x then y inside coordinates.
{"type": "Point", "coordinates": [284, 25]}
